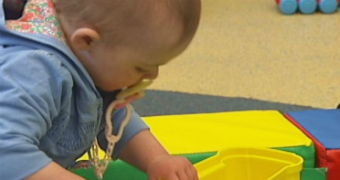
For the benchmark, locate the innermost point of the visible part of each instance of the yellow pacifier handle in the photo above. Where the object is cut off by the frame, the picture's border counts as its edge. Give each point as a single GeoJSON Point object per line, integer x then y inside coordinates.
{"type": "Point", "coordinates": [139, 88]}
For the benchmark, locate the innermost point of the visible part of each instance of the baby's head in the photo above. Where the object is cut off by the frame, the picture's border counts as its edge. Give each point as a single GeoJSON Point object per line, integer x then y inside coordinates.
{"type": "Point", "coordinates": [121, 42]}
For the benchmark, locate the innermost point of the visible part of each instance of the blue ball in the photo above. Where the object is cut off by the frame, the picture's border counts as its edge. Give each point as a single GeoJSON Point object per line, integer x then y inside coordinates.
{"type": "Point", "coordinates": [328, 6]}
{"type": "Point", "coordinates": [307, 6]}
{"type": "Point", "coordinates": [288, 6]}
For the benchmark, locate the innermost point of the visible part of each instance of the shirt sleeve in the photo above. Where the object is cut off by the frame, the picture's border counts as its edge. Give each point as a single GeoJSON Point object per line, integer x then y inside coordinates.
{"type": "Point", "coordinates": [31, 88]}
{"type": "Point", "coordinates": [135, 125]}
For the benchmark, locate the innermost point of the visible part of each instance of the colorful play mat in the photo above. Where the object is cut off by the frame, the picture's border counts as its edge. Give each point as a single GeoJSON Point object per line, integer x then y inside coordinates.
{"type": "Point", "coordinates": [230, 144]}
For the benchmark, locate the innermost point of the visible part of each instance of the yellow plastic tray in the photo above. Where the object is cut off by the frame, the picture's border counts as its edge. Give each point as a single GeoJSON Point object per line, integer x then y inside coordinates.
{"type": "Point", "coordinates": [251, 164]}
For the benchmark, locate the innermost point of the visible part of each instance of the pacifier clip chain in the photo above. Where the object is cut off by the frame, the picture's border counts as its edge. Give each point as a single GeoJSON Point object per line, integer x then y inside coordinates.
{"type": "Point", "coordinates": [101, 165]}
{"type": "Point", "coordinates": [123, 99]}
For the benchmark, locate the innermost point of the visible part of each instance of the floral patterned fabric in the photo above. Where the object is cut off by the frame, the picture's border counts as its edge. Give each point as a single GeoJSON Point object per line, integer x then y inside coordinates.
{"type": "Point", "coordinates": [39, 17]}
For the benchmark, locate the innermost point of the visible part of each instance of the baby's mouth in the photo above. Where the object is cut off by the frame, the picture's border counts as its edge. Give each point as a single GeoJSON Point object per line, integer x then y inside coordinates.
{"type": "Point", "coordinates": [134, 89]}
{"type": "Point", "coordinates": [132, 93]}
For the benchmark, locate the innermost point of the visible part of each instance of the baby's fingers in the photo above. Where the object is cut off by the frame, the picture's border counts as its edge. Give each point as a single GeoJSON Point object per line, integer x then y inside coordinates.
{"type": "Point", "coordinates": [182, 175]}
{"type": "Point", "coordinates": [192, 173]}
{"type": "Point", "coordinates": [171, 177]}
{"type": "Point", "coordinates": [189, 170]}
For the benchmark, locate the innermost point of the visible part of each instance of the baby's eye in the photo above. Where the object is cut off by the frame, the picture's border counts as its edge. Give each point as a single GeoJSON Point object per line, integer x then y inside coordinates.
{"type": "Point", "coordinates": [140, 70]}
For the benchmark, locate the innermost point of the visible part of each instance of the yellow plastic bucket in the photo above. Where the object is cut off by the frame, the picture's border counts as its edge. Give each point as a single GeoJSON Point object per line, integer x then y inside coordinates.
{"type": "Point", "coordinates": [251, 164]}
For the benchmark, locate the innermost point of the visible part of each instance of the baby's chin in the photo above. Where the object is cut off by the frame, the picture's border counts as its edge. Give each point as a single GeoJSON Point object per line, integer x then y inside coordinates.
{"type": "Point", "coordinates": [113, 87]}
{"type": "Point", "coordinates": [107, 88]}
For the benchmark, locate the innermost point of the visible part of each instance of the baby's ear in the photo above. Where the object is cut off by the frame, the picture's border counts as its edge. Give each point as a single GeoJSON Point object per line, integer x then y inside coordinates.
{"type": "Point", "coordinates": [82, 38]}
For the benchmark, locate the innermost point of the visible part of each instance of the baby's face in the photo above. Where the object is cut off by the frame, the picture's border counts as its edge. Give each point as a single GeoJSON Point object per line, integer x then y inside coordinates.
{"type": "Point", "coordinates": [121, 67]}
{"type": "Point", "coordinates": [126, 65]}
{"type": "Point", "coordinates": [141, 44]}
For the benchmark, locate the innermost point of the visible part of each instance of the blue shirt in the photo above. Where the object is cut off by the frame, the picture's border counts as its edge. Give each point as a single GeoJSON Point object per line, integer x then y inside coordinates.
{"type": "Point", "coordinates": [50, 109]}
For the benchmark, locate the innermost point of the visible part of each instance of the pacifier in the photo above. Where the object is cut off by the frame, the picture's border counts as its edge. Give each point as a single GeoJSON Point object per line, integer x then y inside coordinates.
{"type": "Point", "coordinates": [133, 93]}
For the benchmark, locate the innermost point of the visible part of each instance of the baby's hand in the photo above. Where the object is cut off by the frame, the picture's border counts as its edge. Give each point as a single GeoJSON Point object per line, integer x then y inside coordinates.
{"type": "Point", "coordinates": [168, 167]}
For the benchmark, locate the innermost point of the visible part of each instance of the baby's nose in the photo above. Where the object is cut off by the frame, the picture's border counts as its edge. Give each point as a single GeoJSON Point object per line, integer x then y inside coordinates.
{"type": "Point", "coordinates": [152, 74]}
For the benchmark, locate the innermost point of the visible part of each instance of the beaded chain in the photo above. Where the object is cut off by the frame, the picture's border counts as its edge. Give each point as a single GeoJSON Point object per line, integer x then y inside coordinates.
{"type": "Point", "coordinates": [122, 99]}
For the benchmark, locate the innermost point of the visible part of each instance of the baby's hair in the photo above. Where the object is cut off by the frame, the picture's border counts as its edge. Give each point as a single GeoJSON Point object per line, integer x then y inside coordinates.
{"type": "Point", "coordinates": [111, 17]}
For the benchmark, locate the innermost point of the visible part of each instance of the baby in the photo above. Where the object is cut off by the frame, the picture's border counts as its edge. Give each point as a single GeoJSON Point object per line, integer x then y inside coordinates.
{"type": "Point", "coordinates": [63, 62]}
